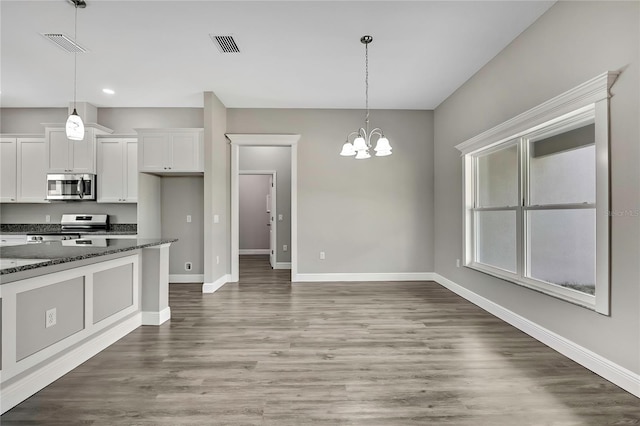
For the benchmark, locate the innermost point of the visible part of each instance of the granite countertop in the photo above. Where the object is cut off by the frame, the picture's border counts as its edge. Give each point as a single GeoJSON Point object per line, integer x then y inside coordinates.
{"type": "Point", "coordinates": [35, 228]}
{"type": "Point", "coordinates": [32, 256]}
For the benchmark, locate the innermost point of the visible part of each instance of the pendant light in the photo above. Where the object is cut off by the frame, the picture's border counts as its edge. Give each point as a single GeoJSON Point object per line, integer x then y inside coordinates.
{"type": "Point", "coordinates": [75, 126]}
{"type": "Point", "coordinates": [363, 137]}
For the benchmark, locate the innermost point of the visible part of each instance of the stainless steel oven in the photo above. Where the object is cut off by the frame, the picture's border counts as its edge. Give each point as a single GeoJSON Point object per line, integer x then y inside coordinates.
{"type": "Point", "coordinates": [73, 227]}
{"type": "Point", "coordinates": [71, 187]}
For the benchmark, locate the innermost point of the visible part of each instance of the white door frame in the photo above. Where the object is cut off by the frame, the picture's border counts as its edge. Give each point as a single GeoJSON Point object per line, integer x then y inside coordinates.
{"type": "Point", "coordinates": [237, 140]}
{"type": "Point", "coordinates": [273, 193]}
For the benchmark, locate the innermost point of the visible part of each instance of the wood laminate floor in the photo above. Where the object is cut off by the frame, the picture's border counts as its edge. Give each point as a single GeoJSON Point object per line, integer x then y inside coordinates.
{"type": "Point", "coordinates": [264, 352]}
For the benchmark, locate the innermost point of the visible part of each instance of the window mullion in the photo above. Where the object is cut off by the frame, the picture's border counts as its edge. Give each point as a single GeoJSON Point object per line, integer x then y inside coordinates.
{"type": "Point", "coordinates": [523, 184]}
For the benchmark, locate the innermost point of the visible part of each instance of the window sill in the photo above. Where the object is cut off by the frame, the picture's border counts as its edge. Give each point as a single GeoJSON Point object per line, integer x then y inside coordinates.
{"type": "Point", "coordinates": [566, 294]}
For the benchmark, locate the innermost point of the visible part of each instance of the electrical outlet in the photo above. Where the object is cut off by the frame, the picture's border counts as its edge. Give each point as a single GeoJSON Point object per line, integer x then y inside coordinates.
{"type": "Point", "coordinates": [188, 218]}
{"type": "Point", "coordinates": [216, 218]}
{"type": "Point", "coordinates": [321, 255]}
{"type": "Point", "coordinates": [188, 266]}
{"type": "Point", "coordinates": [457, 263]}
{"type": "Point", "coordinates": [47, 218]}
{"type": "Point", "coordinates": [50, 318]}
{"type": "Point", "coordinates": [285, 247]}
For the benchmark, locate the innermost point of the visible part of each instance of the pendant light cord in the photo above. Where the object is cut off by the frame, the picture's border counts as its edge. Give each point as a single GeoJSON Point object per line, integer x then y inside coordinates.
{"type": "Point", "coordinates": [75, 58]}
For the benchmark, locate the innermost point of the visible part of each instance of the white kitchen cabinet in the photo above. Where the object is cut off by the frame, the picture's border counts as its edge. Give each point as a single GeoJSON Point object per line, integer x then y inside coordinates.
{"type": "Point", "coordinates": [8, 173]}
{"type": "Point", "coordinates": [171, 151]}
{"type": "Point", "coordinates": [32, 170]}
{"type": "Point", "coordinates": [68, 156]}
{"type": "Point", "coordinates": [117, 170]}
{"type": "Point", "coordinates": [23, 170]}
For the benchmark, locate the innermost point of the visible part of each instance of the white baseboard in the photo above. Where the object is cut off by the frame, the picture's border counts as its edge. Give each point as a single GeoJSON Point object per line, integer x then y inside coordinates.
{"type": "Point", "coordinates": [283, 265]}
{"type": "Point", "coordinates": [254, 251]}
{"type": "Point", "coordinates": [156, 318]}
{"type": "Point", "coordinates": [386, 276]}
{"type": "Point", "coordinates": [211, 287]}
{"type": "Point", "coordinates": [626, 379]}
{"type": "Point", "coordinates": [185, 278]}
{"type": "Point", "coordinates": [48, 373]}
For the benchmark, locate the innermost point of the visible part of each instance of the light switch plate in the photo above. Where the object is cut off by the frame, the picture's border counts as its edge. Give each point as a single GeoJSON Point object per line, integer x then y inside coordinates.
{"type": "Point", "coordinates": [280, 217]}
{"type": "Point", "coordinates": [188, 218]}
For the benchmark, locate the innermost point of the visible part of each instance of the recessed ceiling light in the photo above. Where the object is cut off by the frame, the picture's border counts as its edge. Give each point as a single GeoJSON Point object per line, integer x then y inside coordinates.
{"type": "Point", "coordinates": [109, 91]}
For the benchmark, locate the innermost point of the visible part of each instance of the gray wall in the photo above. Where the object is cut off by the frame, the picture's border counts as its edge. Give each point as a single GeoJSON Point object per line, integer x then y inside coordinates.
{"type": "Point", "coordinates": [367, 216]}
{"type": "Point", "coordinates": [254, 217]}
{"type": "Point", "coordinates": [217, 193]}
{"type": "Point", "coordinates": [182, 196]}
{"type": "Point", "coordinates": [278, 159]}
{"type": "Point", "coordinates": [572, 43]}
{"type": "Point", "coordinates": [125, 120]}
{"type": "Point", "coordinates": [29, 120]}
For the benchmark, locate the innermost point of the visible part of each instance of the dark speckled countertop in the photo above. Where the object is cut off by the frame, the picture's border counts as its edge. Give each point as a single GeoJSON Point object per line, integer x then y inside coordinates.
{"type": "Point", "coordinates": [55, 253]}
{"type": "Point", "coordinates": [34, 228]}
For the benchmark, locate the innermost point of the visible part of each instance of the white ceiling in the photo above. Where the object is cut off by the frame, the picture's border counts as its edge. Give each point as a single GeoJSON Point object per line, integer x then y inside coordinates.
{"type": "Point", "coordinates": [294, 54]}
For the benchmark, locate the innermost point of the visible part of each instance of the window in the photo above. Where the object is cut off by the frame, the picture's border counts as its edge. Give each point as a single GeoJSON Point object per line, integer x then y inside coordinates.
{"type": "Point", "coordinates": [536, 197]}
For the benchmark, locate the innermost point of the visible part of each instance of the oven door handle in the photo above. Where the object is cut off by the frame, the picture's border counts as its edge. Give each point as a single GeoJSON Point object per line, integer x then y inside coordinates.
{"type": "Point", "coordinates": [81, 188]}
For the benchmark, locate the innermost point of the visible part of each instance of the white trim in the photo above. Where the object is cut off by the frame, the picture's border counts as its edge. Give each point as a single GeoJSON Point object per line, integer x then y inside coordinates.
{"type": "Point", "coordinates": [367, 276]}
{"type": "Point", "coordinates": [22, 389]}
{"type": "Point", "coordinates": [185, 278]}
{"type": "Point", "coordinates": [238, 140]}
{"type": "Point", "coordinates": [211, 287]}
{"type": "Point", "coordinates": [590, 92]}
{"type": "Point", "coordinates": [253, 251]}
{"type": "Point", "coordinates": [156, 318]}
{"type": "Point", "coordinates": [626, 379]}
{"type": "Point", "coordinates": [283, 265]}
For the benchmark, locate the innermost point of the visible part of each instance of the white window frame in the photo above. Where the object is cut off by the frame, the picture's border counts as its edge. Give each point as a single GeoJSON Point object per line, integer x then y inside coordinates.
{"type": "Point", "coordinates": [589, 100]}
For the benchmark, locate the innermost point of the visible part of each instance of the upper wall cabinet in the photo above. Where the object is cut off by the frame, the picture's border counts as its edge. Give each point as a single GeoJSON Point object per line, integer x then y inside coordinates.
{"type": "Point", "coordinates": [8, 162]}
{"type": "Point", "coordinates": [24, 169]}
{"type": "Point", "coordinates": [117, 170]}
{"type": "Point", "coordinates": [67, 156]}
{"type": "Point", "coordinates": [171, 151]}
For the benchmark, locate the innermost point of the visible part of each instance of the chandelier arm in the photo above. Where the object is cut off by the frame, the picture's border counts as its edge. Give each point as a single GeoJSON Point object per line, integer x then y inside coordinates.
{"type": "Point", "coordinates": [353, 133]}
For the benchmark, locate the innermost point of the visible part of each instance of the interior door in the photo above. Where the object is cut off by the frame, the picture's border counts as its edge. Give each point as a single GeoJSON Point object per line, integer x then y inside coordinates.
{"type": "Point", "coordinates": [272, 214]}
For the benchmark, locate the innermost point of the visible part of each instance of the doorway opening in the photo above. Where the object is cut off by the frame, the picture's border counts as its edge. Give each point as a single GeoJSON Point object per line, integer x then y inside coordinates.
{"type": "Point", "coordinates": [239, 142]}
{"type": "Point", "coordinates": [258, 207]}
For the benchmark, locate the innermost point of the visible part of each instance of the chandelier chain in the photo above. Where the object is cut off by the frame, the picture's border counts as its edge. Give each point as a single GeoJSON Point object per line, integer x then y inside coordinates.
{"type": "Point", "coordinates": [366, 82]}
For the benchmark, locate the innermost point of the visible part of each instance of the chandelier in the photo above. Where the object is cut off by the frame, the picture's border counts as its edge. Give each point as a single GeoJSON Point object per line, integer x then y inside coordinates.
{"type": "Point", "coordinates": [75, 127]}
{"type": "Point", "coordinates": [363, 137]}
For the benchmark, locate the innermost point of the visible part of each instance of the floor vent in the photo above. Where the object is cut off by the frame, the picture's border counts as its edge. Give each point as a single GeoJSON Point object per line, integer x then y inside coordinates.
{"type": "Point", "coordinates": [225, 43]}
{"type": "Point", "coordinates": [65, 43]}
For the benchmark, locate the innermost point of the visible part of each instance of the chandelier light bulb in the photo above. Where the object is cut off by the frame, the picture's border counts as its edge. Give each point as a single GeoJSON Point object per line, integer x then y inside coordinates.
{"type": "Point", "coordinates": [347, 150]}
{"type": "Point", "coordinates": [363, 155]}
{"type": "Point", "coordinates": [359, 144]}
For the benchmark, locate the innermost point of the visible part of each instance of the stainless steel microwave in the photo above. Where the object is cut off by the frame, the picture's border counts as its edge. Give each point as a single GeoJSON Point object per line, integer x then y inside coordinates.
{"type": "Point", "coordinates": [71, 187]}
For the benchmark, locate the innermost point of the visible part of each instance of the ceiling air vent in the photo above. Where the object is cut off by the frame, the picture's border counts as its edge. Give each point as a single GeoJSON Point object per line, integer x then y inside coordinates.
{"type": "Point", "coordinates": [65, 43]}
{"type": "Point", "coordinates": [225, 43]}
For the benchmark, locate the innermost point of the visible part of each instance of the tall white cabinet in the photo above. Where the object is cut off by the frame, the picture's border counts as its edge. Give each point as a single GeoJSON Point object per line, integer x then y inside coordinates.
{"type": "Point", "coordinates": [117, 164]}
{"type": "Point", "coordinates": [171, 151]}
{"type": "Point", "coordinates": [23, 169]}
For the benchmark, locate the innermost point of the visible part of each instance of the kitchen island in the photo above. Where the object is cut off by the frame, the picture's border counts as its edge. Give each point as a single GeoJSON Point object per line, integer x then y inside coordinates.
{"type": "Point", "coordinates": [63, 302]}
